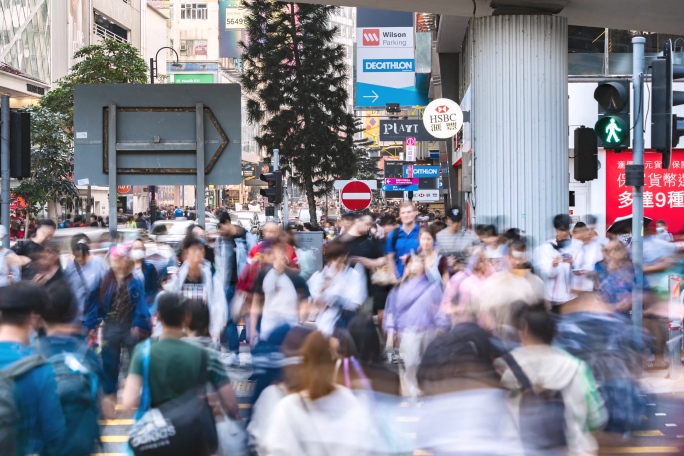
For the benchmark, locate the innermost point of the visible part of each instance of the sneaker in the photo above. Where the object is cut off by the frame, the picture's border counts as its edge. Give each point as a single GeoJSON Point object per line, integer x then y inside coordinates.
{"type": "Point", "coordinates": [233, 359]}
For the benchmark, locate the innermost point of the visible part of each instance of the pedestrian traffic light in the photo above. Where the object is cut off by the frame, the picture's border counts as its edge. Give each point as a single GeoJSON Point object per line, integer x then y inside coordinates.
{"type": "Point", "coordinates": [585, 159]}
{"type": "Point", "coordinates": [666, 128]}
{"type": "Point", "coordinates": [274, 192]}
{"type": "Point", "coordinates": [613, 125]}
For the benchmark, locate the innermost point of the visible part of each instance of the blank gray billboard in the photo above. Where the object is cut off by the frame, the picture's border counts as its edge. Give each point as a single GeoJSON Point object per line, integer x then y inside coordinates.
{"type": "Point", "coordinates": [156, 132]}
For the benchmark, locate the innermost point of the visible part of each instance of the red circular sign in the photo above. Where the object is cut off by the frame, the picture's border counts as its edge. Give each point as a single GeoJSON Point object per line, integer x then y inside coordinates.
{"type": "Point", "coordinates": [356, 196]}
{"type": "Point", "coordinates": [123, 189]}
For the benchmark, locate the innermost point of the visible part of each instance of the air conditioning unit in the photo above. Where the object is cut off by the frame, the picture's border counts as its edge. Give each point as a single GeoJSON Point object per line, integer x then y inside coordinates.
{"type": "Point", "coordinates": [184, 47]}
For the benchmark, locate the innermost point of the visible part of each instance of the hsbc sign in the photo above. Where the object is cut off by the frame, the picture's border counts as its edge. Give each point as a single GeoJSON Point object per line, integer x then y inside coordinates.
{"type": "Point", "coordinates": [443, 118]}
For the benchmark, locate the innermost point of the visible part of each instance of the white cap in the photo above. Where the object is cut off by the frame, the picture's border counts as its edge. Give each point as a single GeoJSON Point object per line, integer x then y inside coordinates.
{"type": "Point", "coordinates": [3, 231]}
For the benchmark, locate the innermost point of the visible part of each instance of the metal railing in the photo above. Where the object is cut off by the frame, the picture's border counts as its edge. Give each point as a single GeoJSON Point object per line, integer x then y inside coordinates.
{"type": "Point", "coordinates": [108, 34]}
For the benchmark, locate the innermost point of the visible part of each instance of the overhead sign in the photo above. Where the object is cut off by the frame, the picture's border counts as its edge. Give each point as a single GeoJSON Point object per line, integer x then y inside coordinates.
{"type": "Point", "coordinates": [421, 171]}
{"type": "Point", "coordinates": [156, 127]}
{"type": "Point", "coordinates": [411, 149]}
{"type": "Point", "coordinates": [399, 130]}
{"type": "Point", "coordinates": [425, 195]}
{"type": "Point", "coordinates": [402, 181]}
{"type": "Point", "coordinates": [180, 78]}
{"type": "Point", "coordinates": [399, 188]}
{"type": "Point", "coordinates": [356, 196]}
{"type": "Point", "coordinates": [443, 118]}
{"type": "Point", "coordinates": [385, 60]}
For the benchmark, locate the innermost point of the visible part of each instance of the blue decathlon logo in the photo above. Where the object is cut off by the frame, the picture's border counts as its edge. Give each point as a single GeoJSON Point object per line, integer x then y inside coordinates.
{"type": "Point", "coordinates": [388, 65]}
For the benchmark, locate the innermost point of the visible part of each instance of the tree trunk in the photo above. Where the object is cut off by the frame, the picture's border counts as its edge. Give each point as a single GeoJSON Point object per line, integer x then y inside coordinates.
{"type": "Point", "coordinates": [308, 183]}
{"type": "Point", "coordinates": [52, 211]}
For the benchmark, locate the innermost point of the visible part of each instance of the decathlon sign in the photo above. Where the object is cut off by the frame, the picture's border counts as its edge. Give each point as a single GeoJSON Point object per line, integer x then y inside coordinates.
{"type": "Point", "coordinates": [388, 65]}
{"type": "Point", "coordinates": [443, 118]}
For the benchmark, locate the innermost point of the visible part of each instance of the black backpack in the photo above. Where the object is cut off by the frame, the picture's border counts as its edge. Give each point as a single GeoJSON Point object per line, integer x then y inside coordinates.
{"type": "Point", "coordinates": [542, 414]}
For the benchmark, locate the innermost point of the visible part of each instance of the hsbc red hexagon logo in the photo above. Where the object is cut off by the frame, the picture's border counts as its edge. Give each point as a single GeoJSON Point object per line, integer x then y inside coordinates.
{"type": "Point", "coordinates": [442, 109]}
{"type": "Point", "coordinates": [371, 37]}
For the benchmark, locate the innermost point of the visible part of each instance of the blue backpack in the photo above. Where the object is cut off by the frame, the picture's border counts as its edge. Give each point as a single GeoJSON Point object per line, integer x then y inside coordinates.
{"type": "Point", "coordinates": [77, 388]}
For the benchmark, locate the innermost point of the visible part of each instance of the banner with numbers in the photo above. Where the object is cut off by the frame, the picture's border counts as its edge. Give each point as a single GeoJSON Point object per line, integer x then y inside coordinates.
{"type": "Point", "coordinates": [663, 188]}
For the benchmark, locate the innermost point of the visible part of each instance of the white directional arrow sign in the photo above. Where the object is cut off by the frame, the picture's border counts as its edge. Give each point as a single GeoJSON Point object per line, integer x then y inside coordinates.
{"type": "Point", "coordinates": [375, 98]}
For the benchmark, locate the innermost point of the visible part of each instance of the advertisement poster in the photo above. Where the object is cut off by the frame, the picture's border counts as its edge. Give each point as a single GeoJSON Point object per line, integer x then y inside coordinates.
{"type": "Point", "coordinates": [231, 28]}
{"type": "Point", "coordinates": [385, 59]}
{"type": "Point", "coordinates": [663, 189]}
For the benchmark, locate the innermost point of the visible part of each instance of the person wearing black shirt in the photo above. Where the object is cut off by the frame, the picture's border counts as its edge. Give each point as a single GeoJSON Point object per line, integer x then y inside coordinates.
{"type": "Point", "coordinates": [364, 249]}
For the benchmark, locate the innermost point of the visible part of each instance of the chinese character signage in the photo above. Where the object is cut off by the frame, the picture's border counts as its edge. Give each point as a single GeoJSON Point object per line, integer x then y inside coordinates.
{"type": "Point", "coordinates": [663, 188]}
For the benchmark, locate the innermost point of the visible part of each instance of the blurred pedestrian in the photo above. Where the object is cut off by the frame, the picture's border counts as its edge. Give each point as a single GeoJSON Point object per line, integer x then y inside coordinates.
{"type": "Point", "coordinates": [84, 273]}
{"type": "Point", "coordinates": [403, 240]}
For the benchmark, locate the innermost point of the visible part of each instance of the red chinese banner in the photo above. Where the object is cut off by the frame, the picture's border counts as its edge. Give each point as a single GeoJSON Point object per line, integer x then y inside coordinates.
{"type": "Point", "coordinates": [663, 188]}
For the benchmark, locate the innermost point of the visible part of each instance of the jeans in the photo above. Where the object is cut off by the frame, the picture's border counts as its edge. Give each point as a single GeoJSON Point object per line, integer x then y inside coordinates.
{"type": "Point", "coordinates": [115, 336]}
{"type": "Point", "coordinates": [230, 334]}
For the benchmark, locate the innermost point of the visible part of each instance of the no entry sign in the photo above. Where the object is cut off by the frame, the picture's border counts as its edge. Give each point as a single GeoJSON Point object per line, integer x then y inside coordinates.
{"type": "Point", "coordinates": [356, 196]}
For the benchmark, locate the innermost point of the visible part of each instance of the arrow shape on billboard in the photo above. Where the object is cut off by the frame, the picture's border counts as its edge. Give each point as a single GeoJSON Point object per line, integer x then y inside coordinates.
{"type": "Point", "coordinates": [375, 98]}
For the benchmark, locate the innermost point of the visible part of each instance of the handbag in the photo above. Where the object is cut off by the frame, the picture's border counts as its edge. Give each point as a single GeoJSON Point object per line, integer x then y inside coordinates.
{"type": "Point", "coordinates": [384, 276]}
{"type": "Point", "coordinates": [232, 437]}
{"type": "Point", "coordinates": [184, 425]}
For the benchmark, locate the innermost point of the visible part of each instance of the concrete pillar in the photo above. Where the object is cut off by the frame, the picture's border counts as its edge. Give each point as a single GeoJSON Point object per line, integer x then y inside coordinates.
{"type": "Point", "coordinates": [520, 121]}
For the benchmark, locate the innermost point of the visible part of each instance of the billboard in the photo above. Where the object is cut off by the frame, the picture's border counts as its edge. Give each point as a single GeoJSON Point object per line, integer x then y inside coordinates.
{"type": "Point", "coordinates": [231, 28]}
{"type": "Point", "coordinates": [385, 60]}
{"type": "Point", "coordinates": [663, 188]}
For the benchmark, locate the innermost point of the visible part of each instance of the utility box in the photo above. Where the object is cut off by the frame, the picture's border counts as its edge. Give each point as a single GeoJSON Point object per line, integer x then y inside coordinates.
{"type": "Point", "coordinates": [467, 172]}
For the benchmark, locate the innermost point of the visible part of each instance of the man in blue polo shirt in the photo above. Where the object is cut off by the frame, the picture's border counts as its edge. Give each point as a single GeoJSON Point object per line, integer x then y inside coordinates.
{"type": "Point", "coordinates": [403, 241]}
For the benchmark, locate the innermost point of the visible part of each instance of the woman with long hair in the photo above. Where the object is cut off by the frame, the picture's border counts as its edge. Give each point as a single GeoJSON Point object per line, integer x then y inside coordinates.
{"type": "Point", "coordinates": [436, 266]}
{"type": "Point", "coordinates": [414, 315]}
{"type": "Point", "coordinates": [322, 418]}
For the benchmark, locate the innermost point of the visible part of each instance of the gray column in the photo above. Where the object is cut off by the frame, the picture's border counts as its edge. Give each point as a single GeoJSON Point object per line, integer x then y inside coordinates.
{"type": "Point", "coordinates": [520, 121]}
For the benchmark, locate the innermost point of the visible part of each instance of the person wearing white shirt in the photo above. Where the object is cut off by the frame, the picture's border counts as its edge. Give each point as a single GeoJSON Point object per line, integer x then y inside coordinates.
{"type": "Point", "coordinates": [584, 263]}
{"type": "Point", "coordinates": [554, 260]}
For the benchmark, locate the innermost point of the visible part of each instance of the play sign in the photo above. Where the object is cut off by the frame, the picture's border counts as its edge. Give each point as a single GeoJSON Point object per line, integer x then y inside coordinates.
{"type": "Point", "coordinates": [356, 196]}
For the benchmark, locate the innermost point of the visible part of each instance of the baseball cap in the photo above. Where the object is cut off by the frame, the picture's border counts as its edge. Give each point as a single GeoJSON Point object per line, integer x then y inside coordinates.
{"type": "Point", "coordinates": [455, 214]}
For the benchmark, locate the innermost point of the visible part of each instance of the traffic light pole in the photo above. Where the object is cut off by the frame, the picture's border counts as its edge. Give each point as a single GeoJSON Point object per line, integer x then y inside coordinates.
{"type": "Point", "coordinates": [638, 191]}
{"type": "Point", "coordinates": [5, 167]}
{"type": "Point", "coordinates": [276, 154]}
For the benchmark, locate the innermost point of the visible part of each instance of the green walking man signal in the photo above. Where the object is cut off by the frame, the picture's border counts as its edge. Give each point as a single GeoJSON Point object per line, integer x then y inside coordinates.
{"type": "Point", "coordinates": [611, 129]}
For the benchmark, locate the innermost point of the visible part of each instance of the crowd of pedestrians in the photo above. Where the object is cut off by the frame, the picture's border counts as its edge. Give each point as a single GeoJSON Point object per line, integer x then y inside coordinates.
{"type": "Point", "coordinates": [495, 347]}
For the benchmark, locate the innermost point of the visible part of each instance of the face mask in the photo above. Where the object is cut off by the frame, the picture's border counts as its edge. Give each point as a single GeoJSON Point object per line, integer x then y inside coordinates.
{"type": "Point", "coordinates": [563, 243]}
{"type": "Point", "coordinates": [137, 254]}
{"type": "Point", "coordinates": [660, 229]}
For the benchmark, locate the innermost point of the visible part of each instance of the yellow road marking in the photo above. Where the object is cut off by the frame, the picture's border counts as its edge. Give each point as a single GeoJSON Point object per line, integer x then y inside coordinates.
{"type": "Point", "coordinates": [640, 450]}
{"type": "Point", "coordinates": [655, 433]}
{"type": "Point", "coordinates": [109, 454]}
{"type": "Point", "coordinates": [116, 422]}
{"type": "Point", "coordinates": [114, 438]}
{"type": "Point", "coordinates": [119, 407]}
{"type": "Point", "coordinates": [245, 406]}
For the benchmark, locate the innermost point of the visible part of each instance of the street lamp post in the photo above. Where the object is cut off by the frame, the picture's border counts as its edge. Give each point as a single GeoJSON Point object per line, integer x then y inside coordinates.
{"type": "Point", "coordinates": [154, 74]}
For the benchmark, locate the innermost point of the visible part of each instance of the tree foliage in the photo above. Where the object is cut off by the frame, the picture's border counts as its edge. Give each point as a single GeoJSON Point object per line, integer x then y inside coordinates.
{"type": "Point", "coordinates": [52, 120]}
{"type": "Point", "coordinates": [111, 62]}
{"type": "Point", "coordinates": [52, 161]}
{"type": "Point", "coordinates": [299, 76]}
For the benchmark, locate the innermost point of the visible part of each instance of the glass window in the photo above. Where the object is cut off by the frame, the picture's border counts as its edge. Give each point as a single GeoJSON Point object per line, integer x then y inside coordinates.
{"type": "Point", "coordinates": [586, 50]}
{"type": "Point", "coordinates": [620, 49]}
{"type": "Point", "coordinates": [194, 11]}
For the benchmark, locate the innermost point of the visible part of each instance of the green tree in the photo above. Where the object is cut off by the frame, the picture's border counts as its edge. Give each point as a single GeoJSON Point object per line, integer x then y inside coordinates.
{"type": "Point", "coordinates": [299, 76]}
{"type": "Point", "coordinates": [52, 120]}
{"type": "Point", "coordinates": [52, 161]}
{"type": "Point", "coordinates": [111, 62]}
